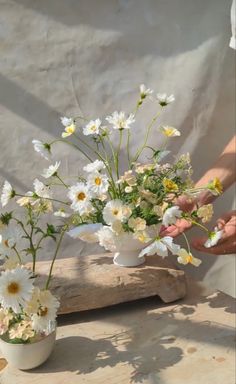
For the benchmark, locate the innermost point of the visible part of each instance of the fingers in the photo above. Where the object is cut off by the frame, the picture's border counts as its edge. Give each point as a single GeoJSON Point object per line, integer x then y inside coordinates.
{"type": "Point", "coordinates": [227, 245]}
{"type": "Point", "coordinates": [175, 230]}
{"type": "Point", "coordinates": [225, 218]}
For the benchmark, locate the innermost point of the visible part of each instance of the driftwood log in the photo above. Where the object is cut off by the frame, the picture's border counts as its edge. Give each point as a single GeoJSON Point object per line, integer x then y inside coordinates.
{"type": "Point", "coordinates": [90, 282]}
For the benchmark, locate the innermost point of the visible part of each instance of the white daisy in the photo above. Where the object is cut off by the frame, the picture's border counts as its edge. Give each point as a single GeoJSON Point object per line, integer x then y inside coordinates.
{"type": "Point", "coordinates": [213, 239]}
{"type": "Point", "coordinates": [15, 288]}
{"type": "Point", "coordinates": [86, 232]}
{"type": "Point", "coordinates": [66, 121]}
{"type": "Point", "coordinates": [51, 170]}
{"type": "Point", "coordinates": [9, 237]}
{"type": "Point", "coordinates": [120, 121]}
{"type": "Point", "coordinates": [69, 125]}
{"type": "Point", "coordinates": [160, 247]}
{"type": "Point", "coordinates": [44, 149]}
{"type": "Point", "coordinates": [80, 196]}
{"type": "Point", "coordinates": [97, 165]}
{"type": "Point", "coordinates": [144, 92]}
{"type": "Point", "coordinates": [7, 193]}
{"type": "Point", "coordinates": [106, 237]}
{"type": "Point", "coordinates": [116, 210]}
{"type": "Point", "coordinates": [171, 215]}
{"type": "Point", "coordinates": [185, 257]}
{"type": "Point", "coordinates": [61, 213]}
{"type": "Point", "coordinates": [42, 190]}
{"type": "Point", "coordinates": [169, 131]}
{"type": "Point", "coordinates": [47, 312]}
{"type": "Point", "coordinates": [98, 183]}
{"type": "Point", "coordinates": [92, 127]}
{"type": "Point", "coordinates": [164, 100]}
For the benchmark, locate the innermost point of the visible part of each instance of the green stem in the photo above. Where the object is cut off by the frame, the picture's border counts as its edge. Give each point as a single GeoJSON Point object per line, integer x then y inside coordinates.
{"type": "Point", "coordinates": [59, 178]}
{"type": "Point", "coordinates": [54, 258]}
{"type": "Point", "coordinates": [17, 253]}
{"type": "Point", "coordinates": [118, 154]}
{"type": "Point", "coordinates": [199, 225]}
{"type": "Point", "coordinates": [45, 198]}
{"type": "Point", "coordinates": [140, 150]}
{"type": "Point", "coordinates": [187, 242]}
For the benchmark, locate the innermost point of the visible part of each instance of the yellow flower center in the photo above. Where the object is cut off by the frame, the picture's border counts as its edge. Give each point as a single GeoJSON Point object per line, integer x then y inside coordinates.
{"type": "Point", "coordinates": [93, 128]}
{"type": "Point", "coordinates": [115, 212]}
{"type": "Point", "coordinates": [13, 288]}
{"type": "Point", "coordinates": [189, 258]}
{"type": "Point", "coordinates": [6, 243]}
{"type": "Point", "coordinates": [169, 131]}
{"type": "Point", "coordinates": [98, 181]}
{"type": "Point", "coordinates": [81, 196]}
{"type": "Point", "coordinates": [43, 311]}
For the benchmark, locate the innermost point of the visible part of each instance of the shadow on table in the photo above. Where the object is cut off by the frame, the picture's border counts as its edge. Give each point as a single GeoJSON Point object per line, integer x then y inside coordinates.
{"type": "Point", "coordinates": [149, 342]}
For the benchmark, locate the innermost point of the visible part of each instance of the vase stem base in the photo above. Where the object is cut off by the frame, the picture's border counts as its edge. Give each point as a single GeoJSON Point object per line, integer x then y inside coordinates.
{"type": "Point", "coordinates": [128, 259]}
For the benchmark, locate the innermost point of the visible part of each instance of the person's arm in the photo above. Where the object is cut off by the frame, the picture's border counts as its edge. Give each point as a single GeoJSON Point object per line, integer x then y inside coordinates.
{"type": "Point", "coordinates": [224, 170]}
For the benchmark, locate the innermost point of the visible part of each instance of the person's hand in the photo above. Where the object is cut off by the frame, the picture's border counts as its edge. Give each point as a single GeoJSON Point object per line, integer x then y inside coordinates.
{"type": "Point", "coordinates": [181, 225]}
{"type": "Point", "coordinates": [227, 244]}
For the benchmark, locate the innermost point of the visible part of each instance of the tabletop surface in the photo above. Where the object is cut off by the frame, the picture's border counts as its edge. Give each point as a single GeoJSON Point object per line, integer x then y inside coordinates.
{"type": "Point", "coordinates": [144, 342]}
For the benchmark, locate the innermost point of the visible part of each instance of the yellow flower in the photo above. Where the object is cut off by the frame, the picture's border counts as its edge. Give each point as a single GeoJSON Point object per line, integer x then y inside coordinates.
{"type": "Point", "coordinates": [142, 236]}
{"type": "Point", "coordinates": [69, 130]}
{"type": "Point", "coordinates": [185, 257]}
{"type": "Point", "coordinates": [216, 186]}
{"type": "Point", "coordinates": [205, 213]}
{"type": "Point", "coordinates": [169, 185]}
{"type": "Point", "coordinates": [137, 224]}
{"type": "Point", "coordinates": [169, 131]}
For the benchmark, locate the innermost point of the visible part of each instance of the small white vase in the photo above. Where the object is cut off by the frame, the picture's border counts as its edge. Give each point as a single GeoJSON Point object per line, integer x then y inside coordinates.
{"type": "Point", "coordinates": [28, 356]}
{"type": "Point", "coordinates": [127, 250]}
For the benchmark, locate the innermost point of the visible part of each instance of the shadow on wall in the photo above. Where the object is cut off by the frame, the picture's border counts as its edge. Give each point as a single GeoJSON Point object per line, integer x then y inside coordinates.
{"type": "Point", "coordinates": [124, 16]}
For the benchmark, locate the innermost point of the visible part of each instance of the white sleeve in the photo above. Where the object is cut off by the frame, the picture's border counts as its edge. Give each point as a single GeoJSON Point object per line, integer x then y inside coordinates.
{"type": "Point", "coordinates": [232, 43]}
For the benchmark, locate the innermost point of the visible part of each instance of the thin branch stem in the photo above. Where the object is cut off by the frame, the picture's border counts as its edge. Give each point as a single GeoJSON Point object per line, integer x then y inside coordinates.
{"type": "Point", "coordinates": [54, 258]}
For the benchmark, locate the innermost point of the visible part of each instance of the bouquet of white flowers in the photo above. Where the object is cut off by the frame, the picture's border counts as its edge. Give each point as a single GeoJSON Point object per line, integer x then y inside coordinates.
{"type": "Point", "coordinates": [125, 213]}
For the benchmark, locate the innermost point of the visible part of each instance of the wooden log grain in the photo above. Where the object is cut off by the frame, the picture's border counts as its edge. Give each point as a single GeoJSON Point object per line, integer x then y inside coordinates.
{"type": "Point", "coordinates": [89, 282]}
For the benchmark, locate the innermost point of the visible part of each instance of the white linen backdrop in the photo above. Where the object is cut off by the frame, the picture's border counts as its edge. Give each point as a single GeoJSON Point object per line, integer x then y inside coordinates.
{"type": "Point", "coordinates": [57, 55]}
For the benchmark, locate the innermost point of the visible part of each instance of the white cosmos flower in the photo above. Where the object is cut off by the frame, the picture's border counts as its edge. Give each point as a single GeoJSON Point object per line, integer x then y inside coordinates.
{"type": "Point", "coordinates": [86, 232]}
{"type": "Point", "coordinates": [169, 131]}
{"type": "Point", "coordinates": [185, 257]}
{"type": "Point", "coordinates": [116, 210]}
{"type": "Point", "coordinates": [66, 121]}
{"type": "Point", "coordinates": [42, 190]}
{"type": "Point", "coordinates": [160, 247]}
{"type": "Point", "coordinates": [106, 237]}
{"type": "Point", "coordinates": [97, 165]}
{"type": "Point", "coordinates": [120, 121]}
{"type": "Point", "coordinates": [47, 312]}
{"type": "Point", "coordinates": [7, 193]}
{"type": "Point", "coordinates": [98, 183]}
{"type": "Point", "coordinates": [144, 92]}
{"type": "Point", "coordinates": [44, 149]}
{"type": "Point", "coordinates": [92, 127]}
{"type": "Point", "coordinates": [15, 288]}
{"type": "Point", "coordinates": [213, 239]}
{"type": "Point", "coordinates": [51, 170]}
{"type": "Point", "coordinates": [171, 215]}
{"type": "Point", "coordinates": [9, 237]}
{"type": "Point", "coordinates": [163, 99]}
{"type": "Point", "coordinates": [80, 196]}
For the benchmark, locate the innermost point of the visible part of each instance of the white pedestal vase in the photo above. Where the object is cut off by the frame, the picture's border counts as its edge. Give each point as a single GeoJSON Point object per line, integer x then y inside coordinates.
{"type": "Point", "coordinates": [30, 355]}
{"type": "Point", "coordinates": [127, 251]}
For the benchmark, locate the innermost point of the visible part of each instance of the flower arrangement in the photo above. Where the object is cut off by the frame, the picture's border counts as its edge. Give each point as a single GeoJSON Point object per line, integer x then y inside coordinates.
{"type": "Point", "coordinates": [27, 311]}
{"type": "Point", "coordinates": [104, 205]}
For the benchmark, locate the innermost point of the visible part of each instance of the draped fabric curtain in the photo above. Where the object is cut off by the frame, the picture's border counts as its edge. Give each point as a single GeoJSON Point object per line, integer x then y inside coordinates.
{"type": "Point", "coordinates": [60, 57]}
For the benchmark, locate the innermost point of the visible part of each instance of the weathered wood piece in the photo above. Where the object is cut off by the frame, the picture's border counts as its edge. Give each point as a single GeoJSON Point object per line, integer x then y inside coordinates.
{"type": "Point", "coordinates": [93, 281]}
